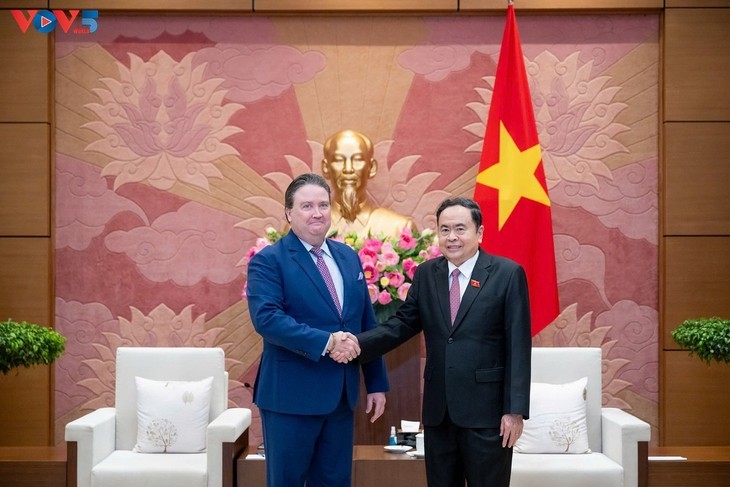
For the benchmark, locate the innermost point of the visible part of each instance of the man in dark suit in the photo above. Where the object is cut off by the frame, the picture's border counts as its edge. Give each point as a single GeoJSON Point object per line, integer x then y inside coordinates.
{"type": "Point", "coordinates": [306, 293]}
{"type": "Point", "coordinates": [477, 330]}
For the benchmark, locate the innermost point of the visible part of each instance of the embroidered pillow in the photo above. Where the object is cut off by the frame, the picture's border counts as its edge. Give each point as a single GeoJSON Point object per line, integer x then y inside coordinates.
{"type": "Point", "coordinates": [557, 421]}
{"type": "Point", "coordinates": [172, 416]}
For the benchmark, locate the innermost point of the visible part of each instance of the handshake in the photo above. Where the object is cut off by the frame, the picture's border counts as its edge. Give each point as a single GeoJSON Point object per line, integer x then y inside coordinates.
{"type": "Point", "coordinates": [343, 347]}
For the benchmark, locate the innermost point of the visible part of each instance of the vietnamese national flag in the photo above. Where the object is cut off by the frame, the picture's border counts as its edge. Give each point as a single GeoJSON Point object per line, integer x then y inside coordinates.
{"type": "Point", "coordinates": [510, 186]}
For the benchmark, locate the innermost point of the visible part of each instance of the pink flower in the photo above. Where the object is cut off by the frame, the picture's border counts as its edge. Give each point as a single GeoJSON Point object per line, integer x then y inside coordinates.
{"type": "Point", "coordinates": [403, 291]}
{"type": "Point", "coordinates": [373, 291]}
{"type": "Point", "coordinates": [388, 256]}
{"type": "Point", "coordinates": [373, 244]}
{"type": "Point", "coordinates": [434, 251]}
{"type": "Point", "coordinates": [368, 256]}
{"type": "Point", "coordinates": [371, 275]}
{"type": "Point", "coordinates": [384, 297]}
{"type": "Point", "coordinates": [260, 244]}
{"type": "Point", "coordinates": [423, 254]}
{"type": "Point", "coordinates": [395, 278]}
{"type": "Point", "coordinates": [406, 241]}
{"type": "Point", "coordinates": [409, 267]}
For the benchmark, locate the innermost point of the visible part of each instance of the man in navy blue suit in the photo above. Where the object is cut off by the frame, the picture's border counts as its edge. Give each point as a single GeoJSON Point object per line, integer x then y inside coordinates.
{"type": "Point", "coordinates": [306, 295]}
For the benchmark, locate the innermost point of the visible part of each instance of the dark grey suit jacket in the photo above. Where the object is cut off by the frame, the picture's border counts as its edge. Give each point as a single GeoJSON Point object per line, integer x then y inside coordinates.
{"type": "Point", "coordinates": [480, 367]}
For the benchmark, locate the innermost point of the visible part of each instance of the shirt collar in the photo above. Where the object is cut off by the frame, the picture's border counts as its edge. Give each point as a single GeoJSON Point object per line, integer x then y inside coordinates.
{"type": "Point", "coordinates": [467, 267]}
{"type": "Point", "coordinates": [324, 247]}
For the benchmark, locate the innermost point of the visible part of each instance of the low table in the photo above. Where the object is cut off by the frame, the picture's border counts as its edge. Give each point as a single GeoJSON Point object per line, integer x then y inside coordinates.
{"type": "Point", "coordinates": [372, 466]}
{"type": "Point", "coordinates": [706, 466]}
{"type": "Point", "coordinates": [33, 466]}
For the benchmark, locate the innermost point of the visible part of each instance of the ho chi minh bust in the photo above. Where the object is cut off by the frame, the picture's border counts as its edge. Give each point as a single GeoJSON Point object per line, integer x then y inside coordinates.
{"type": "Point", "coordinates": [348, 163]}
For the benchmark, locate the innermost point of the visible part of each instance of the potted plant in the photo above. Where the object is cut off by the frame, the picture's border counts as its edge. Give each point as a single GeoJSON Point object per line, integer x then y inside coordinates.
{"type": "Point", "coordinates": [709, 338]}
{"type": "Point", "coordinates": [25, 344]}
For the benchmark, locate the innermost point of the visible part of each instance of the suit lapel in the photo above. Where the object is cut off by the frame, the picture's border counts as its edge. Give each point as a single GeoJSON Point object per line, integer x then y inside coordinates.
{"type": "Point", "coordinates": [441, 276]}
{"type": "Point", "coordinates": [303, 258]}
{"type": "Point", "coordinates": [478, 275]}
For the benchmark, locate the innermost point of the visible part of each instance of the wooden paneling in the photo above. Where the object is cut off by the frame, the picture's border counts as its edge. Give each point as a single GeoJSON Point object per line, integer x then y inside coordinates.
{"type": "Point", "coordinates": [169, 5]}
{"type": "Point", "coordinates": [23, 4]}
{"type": "Point", "coordinates": [33, 467]}
{"type": "Point", "coordinates": [697, 172]}
{"type": "Point", "coordinates": [697, 64]}
{"type": "Point", "coordinates": [25, 280]}
{"type": "Point", "coordinates": [696, 401]}
{"type": "Point", "coordinates": [705, 466]}
{"type": "Point", "coordinates": [25, 179]}
{"type": "Point", "coordinates": [696, 3]}
{"type": "Point", "coordinates": [521, 5]}
{"type": "Point", "coordinates": [25, 394]}
{"type": "Point", "coordinates": [354, 5]}
{"type": "Point", "coordinates": [696, 281]}
{"type": "Point", "coordinates": [24, 77]}
{"type": "Point", "coordinates": [25, 403]}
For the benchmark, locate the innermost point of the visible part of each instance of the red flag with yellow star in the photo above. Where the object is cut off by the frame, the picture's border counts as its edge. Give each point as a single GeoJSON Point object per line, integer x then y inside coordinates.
{"type": "Point", "coordinates": [510, 186]}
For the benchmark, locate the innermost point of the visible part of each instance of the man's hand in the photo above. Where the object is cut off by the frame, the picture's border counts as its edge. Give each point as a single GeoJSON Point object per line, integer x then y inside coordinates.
{"type": "Point", "coordinates": [510, 429]}
{"type": "Point", "coordinates": [345, 347]}
{"type": "Point", "coordinates": [376, 399]}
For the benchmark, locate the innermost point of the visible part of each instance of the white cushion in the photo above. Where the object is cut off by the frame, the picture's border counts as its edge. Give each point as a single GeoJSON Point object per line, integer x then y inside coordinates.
{"type": "Point", "coordinates": [557, 421]}
{"type": "Point", "coordinates": [541, 470]}
{"type": "Point", "coordinates": [172, 416]}
{"type": "Point", "coordinates": [124, 468]}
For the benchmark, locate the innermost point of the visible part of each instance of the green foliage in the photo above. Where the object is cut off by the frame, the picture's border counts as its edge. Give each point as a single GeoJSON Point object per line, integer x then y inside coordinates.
{"type": "Point", "coordinates": [27, 344]}
{"type": "Point", "coordinates": [709, 338]}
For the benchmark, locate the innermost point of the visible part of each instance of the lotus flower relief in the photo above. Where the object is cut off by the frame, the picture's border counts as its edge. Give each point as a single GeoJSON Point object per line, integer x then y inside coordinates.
{"type": "Point", "coordinates": [575, 118]}
{"type": "Point", "coordinates": [162, 123]}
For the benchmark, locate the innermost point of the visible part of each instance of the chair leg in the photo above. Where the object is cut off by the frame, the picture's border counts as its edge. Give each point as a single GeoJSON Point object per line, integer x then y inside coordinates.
{"type": "Point", "coordinates": [231, 452]}
{"type": "Point", "coordinates": [643, 451]}
{"type": "Point", "coordinates": [71, 463]}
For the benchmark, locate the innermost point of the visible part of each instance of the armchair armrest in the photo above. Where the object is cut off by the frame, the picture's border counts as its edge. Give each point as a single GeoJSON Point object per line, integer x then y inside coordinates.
{"type": "Point", "coordinates": [95, 436]}
{"type": "Point", "coordinates": [228, 427]}
{"type": "Point", "coordinates": [621, 434]}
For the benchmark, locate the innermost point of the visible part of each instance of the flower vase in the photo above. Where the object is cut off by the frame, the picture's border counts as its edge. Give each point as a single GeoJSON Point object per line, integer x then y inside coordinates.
{"type": "Point", "coordinates": [385, 311]}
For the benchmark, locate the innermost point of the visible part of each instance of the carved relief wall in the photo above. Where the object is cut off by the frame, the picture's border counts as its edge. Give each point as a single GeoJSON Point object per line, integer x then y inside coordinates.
{"type": "Point", "coordinates": [176, 136]}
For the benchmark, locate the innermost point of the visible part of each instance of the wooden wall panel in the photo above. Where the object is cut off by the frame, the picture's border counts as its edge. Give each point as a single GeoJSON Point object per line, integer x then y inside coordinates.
{"type": "Point", "coordinates": [25, 394]}
{"type": "Point", "coordinates": [696, 3]}
{"type": "Point", "coordinates": [24, 77]}
{"type": "Point", "coordinates": [354, 5]}
{"type": "Point", "coordinates": [696, 281]}
{"type": "Point", "coordinates": [696, 401]}
{"type": "Point", "coordinates": [25, 179]}
{"type": "Point", "coordinates": [697, 64]}
{"type": "Point", "coordinates": [169, 5]}
{"type": "Point", "coordinates": [25, 404]}
{"type": "Point", "coordinates": [521, 5]}
{"type": "Point", "coordinates": [24, 4]}
{"type": "Point", "coordinates": [24, 279]}
{"type": "Point", "coordinates": [697, 172]}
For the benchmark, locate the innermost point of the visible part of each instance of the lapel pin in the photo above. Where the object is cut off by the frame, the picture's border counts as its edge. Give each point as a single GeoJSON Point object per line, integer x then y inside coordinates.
{"type": "Point", "coordinates": [475, 283]}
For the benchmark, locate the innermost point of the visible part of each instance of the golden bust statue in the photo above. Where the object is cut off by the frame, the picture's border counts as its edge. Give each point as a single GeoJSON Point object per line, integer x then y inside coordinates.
{"type": "Point", "coordinates": [348, 163]}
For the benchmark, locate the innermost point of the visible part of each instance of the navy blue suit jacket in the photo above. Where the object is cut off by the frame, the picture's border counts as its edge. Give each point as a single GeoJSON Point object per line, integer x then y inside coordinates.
{"type": "Point", "coordinates": [292, 310]}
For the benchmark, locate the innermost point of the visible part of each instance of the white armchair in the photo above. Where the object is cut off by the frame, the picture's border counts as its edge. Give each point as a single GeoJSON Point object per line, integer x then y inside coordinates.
{"type": "Point", "coordinates": [100, 444]}
{"type": "Point", "coordinates": [615, 437]}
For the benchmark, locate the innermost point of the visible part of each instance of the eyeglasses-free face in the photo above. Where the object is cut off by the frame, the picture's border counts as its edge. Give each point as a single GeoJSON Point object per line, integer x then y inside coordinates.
{"type": "Point", "coordinates": [459, 238]}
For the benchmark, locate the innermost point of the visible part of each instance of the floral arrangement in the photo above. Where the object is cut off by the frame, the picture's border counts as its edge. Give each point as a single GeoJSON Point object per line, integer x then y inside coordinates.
{"type": "Point", "coordinates": [389, 262]}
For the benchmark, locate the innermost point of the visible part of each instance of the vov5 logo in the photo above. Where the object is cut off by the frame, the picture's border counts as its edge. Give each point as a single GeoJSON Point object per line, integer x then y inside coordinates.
{"type": "Point", "coordinates": [45, 21]}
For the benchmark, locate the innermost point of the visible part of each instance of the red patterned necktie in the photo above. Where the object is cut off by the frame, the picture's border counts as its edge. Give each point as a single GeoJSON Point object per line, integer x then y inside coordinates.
{"type": "Point", "coordinates": [317, 251]}
{"type": "Point", "coordinates": [454, 295]}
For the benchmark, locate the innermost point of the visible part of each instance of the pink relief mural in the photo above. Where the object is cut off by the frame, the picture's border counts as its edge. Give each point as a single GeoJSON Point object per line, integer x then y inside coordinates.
{"type": "Point", "coordinates": [176, 138]}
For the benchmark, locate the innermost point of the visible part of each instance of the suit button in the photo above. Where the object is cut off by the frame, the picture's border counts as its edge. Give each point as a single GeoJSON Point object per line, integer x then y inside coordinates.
{"type": "Point", "coordinates": [450, 340]}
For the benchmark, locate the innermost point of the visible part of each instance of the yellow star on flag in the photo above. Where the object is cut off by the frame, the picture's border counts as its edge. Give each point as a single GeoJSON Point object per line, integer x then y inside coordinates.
{"type": "Point", "coordinates": [514, 175]}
